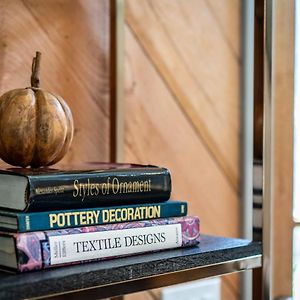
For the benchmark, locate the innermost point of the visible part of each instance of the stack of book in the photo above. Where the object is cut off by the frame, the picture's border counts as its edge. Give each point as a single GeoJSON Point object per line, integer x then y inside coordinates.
{"type": "Point", "coordinates": [51, 218]}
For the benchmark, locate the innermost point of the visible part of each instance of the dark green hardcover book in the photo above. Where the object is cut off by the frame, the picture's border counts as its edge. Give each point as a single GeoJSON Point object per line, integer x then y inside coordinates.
{"type": "Point", "coordinates": [37, 221]}
{"type": "Point", "coordinates": [91, 185]}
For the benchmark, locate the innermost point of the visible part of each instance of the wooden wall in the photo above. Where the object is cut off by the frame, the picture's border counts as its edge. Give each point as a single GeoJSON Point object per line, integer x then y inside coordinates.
{"type": "Point", "coordinates": [182, 104]}
{"type": "Point", "coordinates": [73, 36]}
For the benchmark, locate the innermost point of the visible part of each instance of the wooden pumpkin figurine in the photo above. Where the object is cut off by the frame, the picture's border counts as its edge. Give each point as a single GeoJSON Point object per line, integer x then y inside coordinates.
{"type": "Point", "coordinates": [36, 126]}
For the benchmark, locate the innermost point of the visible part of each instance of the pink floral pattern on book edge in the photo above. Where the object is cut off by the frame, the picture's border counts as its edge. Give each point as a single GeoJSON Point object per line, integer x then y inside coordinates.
{"type": "Point", "coordinates": [29, 255]}
{"type": "Point", "coordinates": [34, 250]}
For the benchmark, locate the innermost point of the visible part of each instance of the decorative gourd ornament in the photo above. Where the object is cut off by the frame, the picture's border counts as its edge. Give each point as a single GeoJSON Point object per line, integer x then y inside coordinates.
{"type": "Point", "coordinates": [36, 126]}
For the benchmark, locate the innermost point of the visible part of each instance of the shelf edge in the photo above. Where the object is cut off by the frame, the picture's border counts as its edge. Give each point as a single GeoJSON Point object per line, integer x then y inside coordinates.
{"type": "Point", "coordinates": [161, 280]}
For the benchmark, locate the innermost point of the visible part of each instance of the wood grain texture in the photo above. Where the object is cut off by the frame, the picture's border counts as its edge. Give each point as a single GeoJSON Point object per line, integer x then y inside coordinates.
{"type": "Point", "coordinates": [200, 65]}
{"type": "Point", "coordinates": [283, 147]}
{"type": "Point", "coordinates": [227, 17]}
{"type": "Point", "coordinates": [157, 131]}
{"type": "Point", "coordinates": [73, 36]}
{"type": "Point", "coordinates": [153, 119]}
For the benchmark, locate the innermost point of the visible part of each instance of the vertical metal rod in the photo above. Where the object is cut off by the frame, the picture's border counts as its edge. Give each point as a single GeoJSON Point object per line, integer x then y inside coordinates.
{"type": "Point", "coordinates": [268, 155]}
{"type": "Point", "coordinates": [116, 80]}
{"type": "Point", "coordinates": [247, 142]}
{"type": "Point", "coordinates": [247, 100]}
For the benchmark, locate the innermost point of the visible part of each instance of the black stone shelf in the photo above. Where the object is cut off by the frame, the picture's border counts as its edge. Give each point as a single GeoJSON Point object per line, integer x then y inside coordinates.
{"type": "Point", "coordinates": [214, 256]}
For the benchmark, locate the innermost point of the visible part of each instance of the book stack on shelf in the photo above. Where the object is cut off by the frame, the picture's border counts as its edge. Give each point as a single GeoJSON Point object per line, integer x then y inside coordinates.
{"type": "Point", "coordinates": [52, 218]}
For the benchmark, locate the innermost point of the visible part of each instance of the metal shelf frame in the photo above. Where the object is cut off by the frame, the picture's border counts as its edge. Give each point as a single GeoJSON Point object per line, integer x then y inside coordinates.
{"type": "Point", "coordinates": [214, 257]}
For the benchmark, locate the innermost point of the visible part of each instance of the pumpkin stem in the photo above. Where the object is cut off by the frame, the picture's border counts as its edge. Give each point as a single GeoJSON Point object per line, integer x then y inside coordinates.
{"type": "Point", "coordinates": [35, 75]}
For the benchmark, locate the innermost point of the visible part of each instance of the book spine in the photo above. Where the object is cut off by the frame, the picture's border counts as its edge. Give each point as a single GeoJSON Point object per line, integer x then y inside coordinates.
{"type": "Point", "coordinates": [38, 250]}
{"type": "Point", "coordinates": [94, 189]}
{"type": "Point", "coordinates": [87, 217]}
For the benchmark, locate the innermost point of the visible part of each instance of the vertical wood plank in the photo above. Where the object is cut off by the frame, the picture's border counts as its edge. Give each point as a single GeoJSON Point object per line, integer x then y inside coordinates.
{"type": "Point", "coordinates": [192, 53]}
{"type": "Point", "coordinates": [157, 132]}
{"type": "Point", "coordinates": [283, 147]}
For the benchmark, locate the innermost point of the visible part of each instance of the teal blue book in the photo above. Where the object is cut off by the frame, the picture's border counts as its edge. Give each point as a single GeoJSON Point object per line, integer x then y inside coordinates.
{"type": "Point", "coordinates": [61, 219]}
